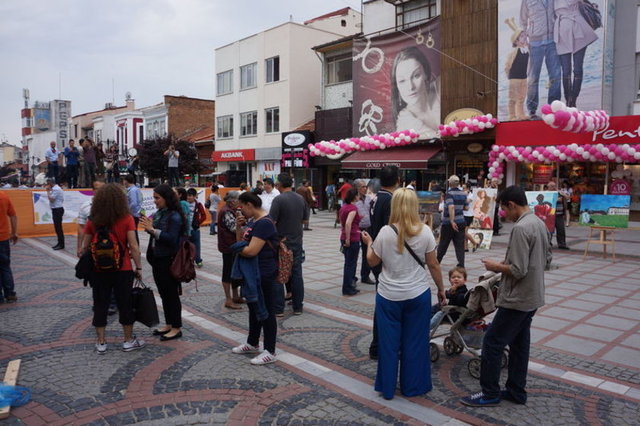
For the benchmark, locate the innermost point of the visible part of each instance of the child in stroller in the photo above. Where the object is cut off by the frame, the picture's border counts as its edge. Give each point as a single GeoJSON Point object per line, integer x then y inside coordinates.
{"type": "Point", "coordinates": [456, 296]}
{"type": "Point", "coordinates": [467, 325]}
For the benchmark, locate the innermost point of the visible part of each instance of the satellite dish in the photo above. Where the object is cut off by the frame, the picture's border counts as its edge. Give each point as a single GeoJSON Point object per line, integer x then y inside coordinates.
{"type": "Point", "coordinates": [127, 96]}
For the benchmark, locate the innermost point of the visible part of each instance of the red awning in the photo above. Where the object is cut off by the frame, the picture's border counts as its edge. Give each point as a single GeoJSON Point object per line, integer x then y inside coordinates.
{"type": "Point", "coordinates": [411, 158]}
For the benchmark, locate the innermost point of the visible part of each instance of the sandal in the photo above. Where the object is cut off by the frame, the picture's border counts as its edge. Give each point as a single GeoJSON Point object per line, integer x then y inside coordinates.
{"type": "Point", "coordinates": [232, 306]}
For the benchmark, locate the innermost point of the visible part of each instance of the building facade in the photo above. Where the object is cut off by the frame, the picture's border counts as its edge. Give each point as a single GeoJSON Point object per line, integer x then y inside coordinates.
{"type": "Point", "coordinates": [266, 84]}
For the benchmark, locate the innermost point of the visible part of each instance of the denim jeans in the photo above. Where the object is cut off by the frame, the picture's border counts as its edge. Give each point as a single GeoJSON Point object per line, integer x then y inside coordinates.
{"type": "Point", "coordinates": [365, 269]}
{"type": "Point", "coordinates": [174, 176]}
{"type": "Point", "coordinates": [509, 327]}
{"type": "Point", "coordinates": [214, 218]}
{"type": "Point", "coordinates": [572, 87]}
{"type": "Point", "coordinates": [538, 54]}
{"type": "Point", "coordinates": [350, 265]}
{"type": "Point", "coordinates": [270, 325]}
{"type": "Point", "coordinates": [195, 239]}
{"type": "Point", "coordinates": [296, 283]}
{"type": "Point", "coordinates": [6, 277]}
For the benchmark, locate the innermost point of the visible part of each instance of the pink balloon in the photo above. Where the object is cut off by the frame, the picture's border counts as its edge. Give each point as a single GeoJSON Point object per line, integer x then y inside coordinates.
{"type": "Point", "coordinates": [546, 109]}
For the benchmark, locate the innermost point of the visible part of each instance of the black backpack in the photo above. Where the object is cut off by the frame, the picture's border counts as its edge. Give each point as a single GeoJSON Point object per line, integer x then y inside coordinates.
{"type": "Point", "coordinates": [106, 251]}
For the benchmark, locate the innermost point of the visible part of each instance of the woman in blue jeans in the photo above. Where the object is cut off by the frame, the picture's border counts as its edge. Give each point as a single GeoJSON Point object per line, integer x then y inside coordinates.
{"type": "Point", "coordinates": [350, 241]}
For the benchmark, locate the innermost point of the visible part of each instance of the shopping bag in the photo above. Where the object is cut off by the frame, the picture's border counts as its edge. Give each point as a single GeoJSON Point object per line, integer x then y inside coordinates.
{"type": "Point", "coordinates": [144, 305]}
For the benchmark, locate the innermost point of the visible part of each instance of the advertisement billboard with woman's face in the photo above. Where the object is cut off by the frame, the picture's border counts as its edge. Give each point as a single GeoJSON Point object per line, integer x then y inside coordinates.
{"type": "Point", "coordinates": [396, 82]}
{"type": "Point", "coordinates": [550, 50]}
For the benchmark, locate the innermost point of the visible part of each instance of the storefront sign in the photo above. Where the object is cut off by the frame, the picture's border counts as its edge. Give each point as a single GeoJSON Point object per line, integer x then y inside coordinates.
{"type": "Point", "coordinates": [474, 147]}
{"type": "Point", "coordinates": [542, 173]}
{"type": "Point", "coordinates": [621, 130]}
{"type": "Point", "coordinates": [235, 155]}
{"type": "Point", "coordinates": [294, 148]}
{"type": "Point", "coordinates": [386, 81]}
{"type": "Point", "coordinates": [461, 114]}
{"type": "Point", "coordinates": [620, 187]}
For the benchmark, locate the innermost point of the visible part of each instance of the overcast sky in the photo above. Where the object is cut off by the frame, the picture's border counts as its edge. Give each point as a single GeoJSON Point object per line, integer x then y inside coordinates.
{"type": "Point", "coordinates": [147, 47]}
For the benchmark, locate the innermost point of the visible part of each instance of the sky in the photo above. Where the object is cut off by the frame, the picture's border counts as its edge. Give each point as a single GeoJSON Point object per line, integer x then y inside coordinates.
{"type": "Point", "coordinates": [93, 52]}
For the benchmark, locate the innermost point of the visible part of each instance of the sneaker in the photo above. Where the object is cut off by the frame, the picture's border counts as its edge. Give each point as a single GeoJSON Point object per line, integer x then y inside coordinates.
{"type": "Point", "coordinates": [12, 298]}
{"type": "Point", "coordinates": [246, 349]}
{"type": "Point", "coordinates": [479, 400]}
{"type": "Point", "coordinates": [279, 314]}
{"type": "Point", "coordinates": [264, 358]}
{"type": "Point", "coordinates": [101, 348]}
{"type": "Point", "coordinates": [199, 264]}
{"type": "Point", "coordinates": [132, 345]}
{"type": "Point", "coordinates": [299, 312]}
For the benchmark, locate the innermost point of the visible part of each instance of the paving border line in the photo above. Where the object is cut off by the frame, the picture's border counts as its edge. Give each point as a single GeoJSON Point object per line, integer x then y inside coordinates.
{"type": "Point", "coordinates": [353, 386]}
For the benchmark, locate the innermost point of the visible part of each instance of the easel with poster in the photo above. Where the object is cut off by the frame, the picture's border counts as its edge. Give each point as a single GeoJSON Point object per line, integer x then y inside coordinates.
{"type": "Point", "coordinates": [483, 205]}
{"type": "Point", "coordinates": [428, 205]}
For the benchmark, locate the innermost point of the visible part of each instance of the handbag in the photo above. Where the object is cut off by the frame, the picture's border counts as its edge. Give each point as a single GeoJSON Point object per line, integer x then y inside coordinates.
{"type": "Point", "coordinates": [591, 14]}
{"type": "Point", "coordinates": [183, 267]}
{"type": "Point", "coordinates": [415, 256]}
{"type": "Point", "coordinates": [144, 304]}
{"type": "Point", "coordinates": [84, 267]}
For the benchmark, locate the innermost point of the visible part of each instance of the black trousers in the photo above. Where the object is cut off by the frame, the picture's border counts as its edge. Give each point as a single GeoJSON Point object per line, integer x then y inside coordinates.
{"type": "Point", "coordinates": [57, 214]}
{"type": "Point", "coordinates": [561, 236]}
{"type": "Point", "coordinates": [168, 288]}
{"type": "Point", "coordinates": [72, 175]}
{"type": "Point", "coordinates": [270, 325]}
{"type": "Point", "coordinates": [365, 269]}
{"type": "Point", "coordinates": [102, 285]}
{"type": "Point", "coordinates": [448, 234]}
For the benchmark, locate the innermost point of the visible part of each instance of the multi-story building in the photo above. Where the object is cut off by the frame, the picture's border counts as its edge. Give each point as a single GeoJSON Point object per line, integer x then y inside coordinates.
{"type": "Point", "coordinates": [99, 125]}
{"type": "Point", "coordinates": [267, 84]}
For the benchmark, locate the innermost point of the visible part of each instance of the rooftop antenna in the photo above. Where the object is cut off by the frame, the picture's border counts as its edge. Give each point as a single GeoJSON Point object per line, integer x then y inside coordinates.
{"type": "Point", "coordinates": [59, 85]}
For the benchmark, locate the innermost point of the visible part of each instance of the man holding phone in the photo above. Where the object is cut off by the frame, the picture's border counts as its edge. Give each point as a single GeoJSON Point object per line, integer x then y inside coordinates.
{"type": "Point", "coordinates": [173, 155]}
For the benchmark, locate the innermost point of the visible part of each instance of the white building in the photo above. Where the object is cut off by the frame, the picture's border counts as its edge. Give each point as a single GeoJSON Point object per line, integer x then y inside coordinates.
{"type": "Point", "coordinates": [266, 84]}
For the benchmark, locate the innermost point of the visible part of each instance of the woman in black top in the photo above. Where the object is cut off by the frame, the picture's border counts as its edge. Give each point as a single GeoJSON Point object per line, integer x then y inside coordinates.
{"type": "Point", "coordinates": [166, 228]}
{"type": "Point", "coordinates": [262, 236]}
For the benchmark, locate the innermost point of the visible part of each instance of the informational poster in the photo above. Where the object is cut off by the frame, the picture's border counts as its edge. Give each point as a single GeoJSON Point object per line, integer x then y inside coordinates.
{"type": "Point", "coordinates": [73, 200]}
{"type": "Point", "coordinates": [604, 210]}
{"type": "Point", "coordinates": [543, 205]}
{"type": "Point", "coordinates": [482, 237]}
{"type": "Point", "coordinates": [551, 35]}
{"type": "Point", "coordinates": [396, 82]}
{"type": "Point", "coordinates": [542, 173]}
{"type": "Point", "coordinates": [483, 206]}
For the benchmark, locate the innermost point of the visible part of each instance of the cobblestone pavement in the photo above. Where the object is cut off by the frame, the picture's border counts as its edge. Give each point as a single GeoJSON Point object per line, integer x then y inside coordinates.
{"type": "Point", "coordinates": [585, 365]}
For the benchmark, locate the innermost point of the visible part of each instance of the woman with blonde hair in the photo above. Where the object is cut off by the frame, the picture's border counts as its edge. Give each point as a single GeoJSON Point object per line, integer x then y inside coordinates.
{"type": "Point", "coordinates": [110, 215]}
{"type": "Point", "coordinates": [403, 300]}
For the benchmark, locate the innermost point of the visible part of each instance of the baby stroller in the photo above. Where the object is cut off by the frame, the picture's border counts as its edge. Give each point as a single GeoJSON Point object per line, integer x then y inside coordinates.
{"type": "Point", "coordinates": [467, 325]}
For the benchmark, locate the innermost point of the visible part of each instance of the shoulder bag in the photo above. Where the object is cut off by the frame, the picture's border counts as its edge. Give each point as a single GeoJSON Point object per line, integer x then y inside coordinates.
{"type": "Point", "coordinates": [415, 256]}
{"type": "Point", "coordinates": [144, 304]}
{"type": "Point", "coordinates": [591, 14]}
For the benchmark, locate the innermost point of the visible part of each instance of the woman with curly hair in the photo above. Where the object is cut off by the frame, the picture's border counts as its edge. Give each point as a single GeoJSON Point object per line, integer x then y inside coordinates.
{"type": "Point", "coordinates": [165, 229]}
{"type": "Point", "coordinates": [110, 213]}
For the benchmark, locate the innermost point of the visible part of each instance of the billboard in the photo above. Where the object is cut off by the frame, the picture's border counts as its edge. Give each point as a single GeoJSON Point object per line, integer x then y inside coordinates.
{"type": "Point", "coordinates": [42, 119]}
{"type": "Point", "coordinates": [396, 82]}
{"type": "Point", "coordinates": [550, 50]}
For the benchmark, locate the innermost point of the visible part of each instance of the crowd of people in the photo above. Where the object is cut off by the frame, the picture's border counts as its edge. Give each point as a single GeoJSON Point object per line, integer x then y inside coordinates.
{"type": "Point", "coordinates": [379, 220]}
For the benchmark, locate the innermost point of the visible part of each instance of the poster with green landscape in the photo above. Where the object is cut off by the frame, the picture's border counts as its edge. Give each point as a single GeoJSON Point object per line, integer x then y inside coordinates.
{"type": "Point", "coordinates": [604, 210]}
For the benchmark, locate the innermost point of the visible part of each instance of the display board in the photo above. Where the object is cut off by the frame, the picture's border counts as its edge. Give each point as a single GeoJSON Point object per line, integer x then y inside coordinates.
{"type": "Point", "coordinates": [543, 205]}
{"type": "Point", "coordinates": [604, 210]}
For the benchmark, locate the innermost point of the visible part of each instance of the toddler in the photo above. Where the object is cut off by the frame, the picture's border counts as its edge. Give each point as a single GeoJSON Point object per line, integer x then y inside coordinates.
{"type": "Point", "coordinates": [516, 70]}
{"type": "Point", "coordinates": [456, 295]}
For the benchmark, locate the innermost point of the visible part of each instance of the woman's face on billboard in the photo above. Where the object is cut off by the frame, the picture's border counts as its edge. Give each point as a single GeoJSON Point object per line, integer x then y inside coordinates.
{"type": "Point", "coordinates": [411, 81]}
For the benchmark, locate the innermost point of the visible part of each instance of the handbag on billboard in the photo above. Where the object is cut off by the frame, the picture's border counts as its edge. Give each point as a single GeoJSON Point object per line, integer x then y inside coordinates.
{"type": "Point", "coordinates": [591, 14]}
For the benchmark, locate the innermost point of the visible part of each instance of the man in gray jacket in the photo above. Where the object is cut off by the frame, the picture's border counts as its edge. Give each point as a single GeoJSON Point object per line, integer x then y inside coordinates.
{"type": "Point", "coordinates": [537, 17]}
{"type": "Point", "coordinates": [521, 294]}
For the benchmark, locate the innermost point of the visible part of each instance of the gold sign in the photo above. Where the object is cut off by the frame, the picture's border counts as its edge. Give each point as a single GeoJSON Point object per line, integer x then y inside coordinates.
{"type": "Point", "coordinates": [461, 114]}
{"type": "Point", "coordinates": [474, 147]}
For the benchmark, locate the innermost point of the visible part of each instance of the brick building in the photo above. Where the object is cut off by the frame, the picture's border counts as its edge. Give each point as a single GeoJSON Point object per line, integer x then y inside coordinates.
{"type": "Point", "coordinates": [187, 115]}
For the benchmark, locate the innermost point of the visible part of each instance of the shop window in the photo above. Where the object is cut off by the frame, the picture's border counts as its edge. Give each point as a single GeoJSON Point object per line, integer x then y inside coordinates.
{"type": "Point", "coordinates": [416, 11]}
{"type": "Point", "coordinates": [249, 123]}
{"type": "Point", "coordinates": [224, 127]}
{"type": "Point", "coordinates": [339, 68]}
{"type": "Point", "coordinates": [272, 124]}
{"type": "Point", "coordinates": [224, 82]}
{"type": "Point", "coordinates": [248, 76]}
{"type": "Point", "coordinates": [272, 67]}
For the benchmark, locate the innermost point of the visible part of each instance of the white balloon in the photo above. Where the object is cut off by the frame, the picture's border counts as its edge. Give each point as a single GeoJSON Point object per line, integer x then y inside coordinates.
{"type": "Point", "coordinates": [585, 155]}
{"type": "Point", "coordinates": [557, 106]}
{"type": "Point", "coordinates": [563, 157]}
{"type": "Point", "coordinates": [580, 150]}
{"type": "Point", "coordinates": [492, 169]}
{"type": "Point", "coordinates": [636, 155]}
{"type": "Point", "coordinates": [611, 156]}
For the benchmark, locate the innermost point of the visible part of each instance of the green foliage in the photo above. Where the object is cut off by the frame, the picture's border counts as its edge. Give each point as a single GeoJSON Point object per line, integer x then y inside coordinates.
{"type": "Point", "coordinates": [154, 163]}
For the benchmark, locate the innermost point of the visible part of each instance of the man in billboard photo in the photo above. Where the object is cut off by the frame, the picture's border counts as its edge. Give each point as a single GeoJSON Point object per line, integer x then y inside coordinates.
{"type": "Point", "coordinates": [414, 99]}
{"type": "Point", "coordinates": [537, 17]}
{"type": "Point", "coordinates": [572, 35]}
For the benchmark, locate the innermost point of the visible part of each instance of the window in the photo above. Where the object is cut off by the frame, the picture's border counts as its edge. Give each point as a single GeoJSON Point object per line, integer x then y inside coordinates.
{"type": "Point", "coordinates": [272, 67]}
{"type": "Point", "coordinates": [339, 68]}
{"type": "Point", "coordinates": [225, 127]}
{"type": "Point", "coordinates": [249, 123]}
{"type": "Point", "coordinates": [225, 82]}
{"type": "Point", "coordinates": [272, 124]}
{"type": "Point", "coordinates": [413, 12]}
{"type": "Point", "coordinates": [248, 76]}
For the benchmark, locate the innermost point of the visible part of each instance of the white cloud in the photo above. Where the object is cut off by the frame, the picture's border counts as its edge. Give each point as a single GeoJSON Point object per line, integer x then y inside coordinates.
{"type": "Point", "coordinates": [148, 47]}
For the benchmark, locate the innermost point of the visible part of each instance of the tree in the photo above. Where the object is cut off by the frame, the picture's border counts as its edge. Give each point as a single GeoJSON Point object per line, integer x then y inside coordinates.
{"type": "Point", "coordinates": [154, 163]}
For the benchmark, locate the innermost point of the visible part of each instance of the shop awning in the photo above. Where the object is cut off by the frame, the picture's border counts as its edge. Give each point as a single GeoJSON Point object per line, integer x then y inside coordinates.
{"type": "Point", "coordinates": [410, 157]}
